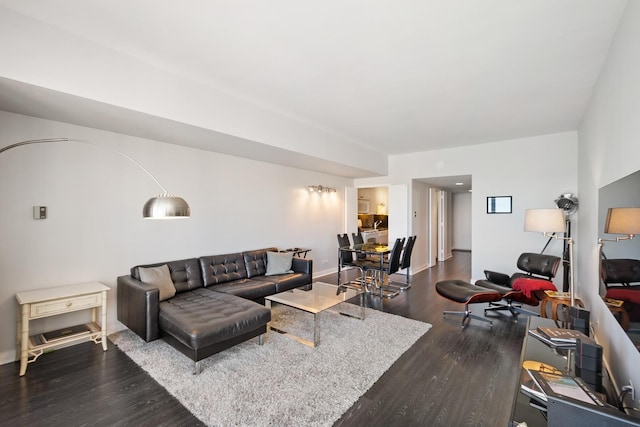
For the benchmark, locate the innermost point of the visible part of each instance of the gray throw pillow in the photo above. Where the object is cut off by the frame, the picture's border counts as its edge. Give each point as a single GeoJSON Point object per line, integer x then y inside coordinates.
{"type": "Point", "coordinates": [279, 263]}
{"type": "Point", "coordinates": [160, 277]}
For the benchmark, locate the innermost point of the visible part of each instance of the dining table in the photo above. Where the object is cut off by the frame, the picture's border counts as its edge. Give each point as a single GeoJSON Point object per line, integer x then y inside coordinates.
{"type": "Point", "coordinates": [374, 251]}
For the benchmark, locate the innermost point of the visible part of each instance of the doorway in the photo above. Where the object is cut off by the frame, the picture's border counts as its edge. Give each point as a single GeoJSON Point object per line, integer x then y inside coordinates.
{"type": "Point", "coordinates": [446, 202]}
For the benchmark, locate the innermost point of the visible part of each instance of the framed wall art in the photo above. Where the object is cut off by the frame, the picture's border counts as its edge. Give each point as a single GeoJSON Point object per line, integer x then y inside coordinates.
{"type": "Point", "coordinates": [499, 205]}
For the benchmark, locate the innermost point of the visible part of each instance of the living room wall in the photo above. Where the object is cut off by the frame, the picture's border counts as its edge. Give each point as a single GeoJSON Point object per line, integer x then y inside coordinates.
{"type": "Point", "coordinates": [609, 150]}
{"type": "Point", "coordinates": [95, 230]}
{"type": "Point", "coordinates": [534, 171]}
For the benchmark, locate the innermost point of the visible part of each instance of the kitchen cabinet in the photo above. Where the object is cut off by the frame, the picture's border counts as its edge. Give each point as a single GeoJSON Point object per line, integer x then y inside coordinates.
{"type": "Point", "coordinates": [377, 199]}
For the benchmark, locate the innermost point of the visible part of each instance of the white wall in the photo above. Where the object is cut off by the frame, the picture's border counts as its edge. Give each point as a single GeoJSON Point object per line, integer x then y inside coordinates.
{"type": "Point", "coordinates": [420, 225]}
{"type": "Point", "coordinates": [461, 225]}
{"type": "Point", "coordinates": [535, 171]}
{"type": "Point", "coordinates": [95, 230]}
{"type": "Point", "coordinates": [609, 149]}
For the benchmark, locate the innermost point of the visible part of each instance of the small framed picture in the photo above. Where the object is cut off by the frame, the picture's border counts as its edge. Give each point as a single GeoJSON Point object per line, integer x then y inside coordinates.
{"type": "Point", "coordinates": [499, 204]}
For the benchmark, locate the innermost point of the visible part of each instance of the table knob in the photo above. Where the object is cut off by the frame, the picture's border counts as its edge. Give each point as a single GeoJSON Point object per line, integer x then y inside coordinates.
{"type": "Point", "coordinates": [69, 303]}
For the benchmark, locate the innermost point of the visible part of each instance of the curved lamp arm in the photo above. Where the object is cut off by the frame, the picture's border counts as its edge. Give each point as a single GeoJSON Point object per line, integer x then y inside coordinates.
{"type": "Point", "coordinates": [164, 205]}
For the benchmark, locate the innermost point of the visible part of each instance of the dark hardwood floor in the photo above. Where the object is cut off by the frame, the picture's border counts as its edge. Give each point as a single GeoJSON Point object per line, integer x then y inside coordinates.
{"type": "Point", "coordinates": [449, 377]}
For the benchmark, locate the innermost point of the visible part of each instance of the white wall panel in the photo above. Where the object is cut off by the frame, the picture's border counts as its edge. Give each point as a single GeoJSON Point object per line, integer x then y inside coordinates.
{"type": "Point", "coordinates": [95, 230]}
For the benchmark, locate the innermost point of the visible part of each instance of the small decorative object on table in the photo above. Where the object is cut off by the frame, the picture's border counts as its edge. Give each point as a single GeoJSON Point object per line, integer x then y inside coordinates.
{"type": "Point", "coordinates": [557, 294]}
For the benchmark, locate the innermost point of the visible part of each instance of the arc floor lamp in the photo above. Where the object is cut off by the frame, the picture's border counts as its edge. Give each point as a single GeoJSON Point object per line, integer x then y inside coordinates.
{"type": "Point", "coordinates": [164, 205]}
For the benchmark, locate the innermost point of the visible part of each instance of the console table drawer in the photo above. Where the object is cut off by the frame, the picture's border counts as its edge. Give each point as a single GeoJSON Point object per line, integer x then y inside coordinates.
{"type": "Point", "coordinates": [65, 305]}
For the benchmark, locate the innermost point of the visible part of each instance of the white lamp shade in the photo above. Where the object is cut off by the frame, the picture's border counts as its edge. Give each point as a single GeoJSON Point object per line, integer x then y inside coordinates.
{"type": "Point", "coordinates": [623, 221]}
{"type": "Point", "coordinates": [544, 220]}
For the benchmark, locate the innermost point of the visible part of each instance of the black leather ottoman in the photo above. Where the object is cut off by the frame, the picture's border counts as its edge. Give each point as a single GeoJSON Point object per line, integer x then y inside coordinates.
{"type": "Point", "coordinates": [466, 293]}
{"type": "Point", "coordinates": [204, 322]}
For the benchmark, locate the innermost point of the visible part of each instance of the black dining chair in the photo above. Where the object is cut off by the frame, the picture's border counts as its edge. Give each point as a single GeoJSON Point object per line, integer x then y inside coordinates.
{"type": "Point", "coordinates": [345, 258]}
{"type": "Point", "coordinates": [357, 238]}
{"type": "Point", "coordinates": [406, 263]}
{"type": "Point", "coordinates": [388, 268]}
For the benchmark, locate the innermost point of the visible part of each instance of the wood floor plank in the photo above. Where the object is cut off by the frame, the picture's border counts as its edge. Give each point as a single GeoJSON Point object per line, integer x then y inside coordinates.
{"type": "Point", "coordinates": [82, 385]}
{"type": "Point", "coordinates": [449, 377]}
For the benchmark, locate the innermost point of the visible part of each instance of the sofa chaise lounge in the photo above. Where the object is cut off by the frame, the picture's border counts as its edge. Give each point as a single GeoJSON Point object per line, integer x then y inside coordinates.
{"type": "Point", "coordinates": [216, 301]}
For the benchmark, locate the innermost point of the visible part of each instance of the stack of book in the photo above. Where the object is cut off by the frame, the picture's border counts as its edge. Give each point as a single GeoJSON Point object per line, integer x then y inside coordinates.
{"type": "Point", "coordinates": [557, 337]}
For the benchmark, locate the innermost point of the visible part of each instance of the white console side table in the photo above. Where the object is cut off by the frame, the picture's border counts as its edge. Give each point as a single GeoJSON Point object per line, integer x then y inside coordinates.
{"type": "Point", "coordinates": [56, 301]}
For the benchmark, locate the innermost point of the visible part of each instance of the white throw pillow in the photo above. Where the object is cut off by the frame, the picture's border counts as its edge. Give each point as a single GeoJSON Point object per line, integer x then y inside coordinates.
{"type": "Point", "coordinates": [160, 277]}
{"type": "Point", "coordinates": [279, 263]}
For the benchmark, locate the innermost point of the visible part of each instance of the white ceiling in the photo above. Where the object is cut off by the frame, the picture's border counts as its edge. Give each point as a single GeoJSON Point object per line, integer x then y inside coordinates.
{"type": "Point", "coordinates": [453, 184]}
{"type": "Point", "coordinates": [395, 76]}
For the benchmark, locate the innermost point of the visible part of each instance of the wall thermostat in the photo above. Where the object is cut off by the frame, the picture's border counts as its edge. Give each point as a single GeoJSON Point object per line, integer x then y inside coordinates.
{"type": "Point", "coordinates": [39, 212]}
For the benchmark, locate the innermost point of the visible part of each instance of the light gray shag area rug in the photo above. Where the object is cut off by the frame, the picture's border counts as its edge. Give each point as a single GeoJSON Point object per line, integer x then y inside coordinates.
{"type": "Point", "coordinates": [282, 383]}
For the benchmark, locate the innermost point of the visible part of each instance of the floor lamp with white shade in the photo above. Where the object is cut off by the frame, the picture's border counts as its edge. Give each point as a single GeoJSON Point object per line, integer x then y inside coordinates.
{"type": "Point", "coordinates": [550, 222]}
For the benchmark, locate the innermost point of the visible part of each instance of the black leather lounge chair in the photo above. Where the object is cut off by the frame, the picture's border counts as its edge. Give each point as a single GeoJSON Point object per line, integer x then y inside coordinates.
{"type": "Point", "coordinates": [533, 266]}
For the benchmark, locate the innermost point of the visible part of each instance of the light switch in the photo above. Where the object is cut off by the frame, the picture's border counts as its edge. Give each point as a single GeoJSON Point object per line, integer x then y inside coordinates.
{"type": "Point", "coordinates": [39, 212]}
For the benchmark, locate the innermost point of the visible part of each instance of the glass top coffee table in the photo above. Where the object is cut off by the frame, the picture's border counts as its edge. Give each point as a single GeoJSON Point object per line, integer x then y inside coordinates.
{"type": "Point", "coordinates": [321, 297]}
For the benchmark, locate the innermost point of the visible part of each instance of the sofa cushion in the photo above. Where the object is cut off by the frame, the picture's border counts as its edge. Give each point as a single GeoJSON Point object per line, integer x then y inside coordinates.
{"type": "Point", "coordinates": [160, 277]}
{"type": "Point", "coordinates": [248, 288]}
{"type": "Point", "coordinates": [279, 263]}
{"type": "Point", "coordinates": [218, 269]}
{"type": "Point", "coordinates": [185, 273]}
{"type": "Point", "coordinates": [256, 261]}
{"type": "Point", "coordinates": [286, 282]}
{"type": "Point", "coordinates": [204, 317]}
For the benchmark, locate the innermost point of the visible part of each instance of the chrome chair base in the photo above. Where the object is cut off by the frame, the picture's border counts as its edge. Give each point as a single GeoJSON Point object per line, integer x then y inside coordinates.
{"type": "Point", "coordinates": [515, 310]}
{"type": "Point", "coordinates": [466, 315]}
{"type": "Point", "coordinates": [401, 286]}
{"type": "Point", "coordinates": [375, 286]}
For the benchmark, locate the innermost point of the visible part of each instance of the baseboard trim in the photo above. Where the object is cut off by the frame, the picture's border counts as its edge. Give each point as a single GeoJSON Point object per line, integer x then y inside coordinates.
{"type": "Point", "coordinates": [7, 357]}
